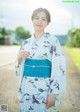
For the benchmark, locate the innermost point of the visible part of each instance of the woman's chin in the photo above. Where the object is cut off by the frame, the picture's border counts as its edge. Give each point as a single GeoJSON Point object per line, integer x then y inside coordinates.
{"type": "Point", "coordinates": [38, 29]}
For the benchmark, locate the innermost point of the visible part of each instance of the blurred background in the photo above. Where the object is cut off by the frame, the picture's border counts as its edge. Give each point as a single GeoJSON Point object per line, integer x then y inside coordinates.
{"type": "Point", "coordinates": [16, 25]}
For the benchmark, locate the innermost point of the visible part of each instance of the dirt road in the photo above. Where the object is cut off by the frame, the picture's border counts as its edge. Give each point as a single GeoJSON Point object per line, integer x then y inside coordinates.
{"type": "Point", "coordinates": [9, 88]}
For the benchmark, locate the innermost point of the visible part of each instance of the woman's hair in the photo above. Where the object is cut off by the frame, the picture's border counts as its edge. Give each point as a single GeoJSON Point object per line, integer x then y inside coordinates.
{"type": "Point", "coordinates": [35, 12]}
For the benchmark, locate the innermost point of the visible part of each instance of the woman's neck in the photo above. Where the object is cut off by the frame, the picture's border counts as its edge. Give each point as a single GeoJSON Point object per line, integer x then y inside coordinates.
{"type": "Point", "coordinates": [38, 34]}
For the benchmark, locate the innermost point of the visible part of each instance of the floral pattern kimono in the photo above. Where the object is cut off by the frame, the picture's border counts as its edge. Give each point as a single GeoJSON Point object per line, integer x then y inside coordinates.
{"type": "Point", "coordinates": [33, 91]}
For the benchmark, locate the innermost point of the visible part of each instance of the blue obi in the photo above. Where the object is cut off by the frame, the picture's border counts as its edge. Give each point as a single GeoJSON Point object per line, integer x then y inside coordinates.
{"type": "Point", "coordinates": [37, 68]}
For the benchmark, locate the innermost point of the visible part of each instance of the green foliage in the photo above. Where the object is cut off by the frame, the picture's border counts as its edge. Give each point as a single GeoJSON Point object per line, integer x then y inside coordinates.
{"type": "Point", "coordinates": [4, 32]}
{"type": "Point", "coordinates": [0, 35]}
{"type": "Point", "coordinates": [67, 44]}
{"type": "Point", "coordinates": [16, 42]}
{"type": "Point", "coordinates": [22, 33]}
{"type": "Point", "coordinates": [8, 32]}
{"type": "Point", "coordinates": [69, 39]}
{"type": "Point", "coordinates": [76, 38]}
{"type": "Point", "coordinates": [75, 55]}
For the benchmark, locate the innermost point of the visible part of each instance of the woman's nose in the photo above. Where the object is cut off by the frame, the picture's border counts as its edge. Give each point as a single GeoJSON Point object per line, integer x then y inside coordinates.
{"type": "Point", "coordinates": [40, 21]}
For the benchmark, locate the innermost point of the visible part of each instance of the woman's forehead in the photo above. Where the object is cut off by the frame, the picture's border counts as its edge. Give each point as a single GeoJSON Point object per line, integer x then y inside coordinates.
{"type": "Point", "coordinates": [41, 14]}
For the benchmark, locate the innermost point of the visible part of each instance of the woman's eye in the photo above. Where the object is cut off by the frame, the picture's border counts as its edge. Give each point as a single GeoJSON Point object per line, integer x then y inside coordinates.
{"type": "Point", "coordinates": [44, 19]}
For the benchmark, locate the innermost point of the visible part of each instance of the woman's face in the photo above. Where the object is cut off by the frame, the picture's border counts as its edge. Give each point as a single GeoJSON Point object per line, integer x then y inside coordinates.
{"type": "Point", "coordinates": [40, 21]}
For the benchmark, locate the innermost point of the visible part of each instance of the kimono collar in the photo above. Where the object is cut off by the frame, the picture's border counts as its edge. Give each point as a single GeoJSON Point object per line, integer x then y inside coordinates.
{"type": "Point", "coordinates": [45, 35]}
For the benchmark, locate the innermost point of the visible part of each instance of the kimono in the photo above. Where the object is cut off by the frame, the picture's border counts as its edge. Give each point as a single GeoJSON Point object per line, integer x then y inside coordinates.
{"type": "Point", "coordinates": [33, 91]}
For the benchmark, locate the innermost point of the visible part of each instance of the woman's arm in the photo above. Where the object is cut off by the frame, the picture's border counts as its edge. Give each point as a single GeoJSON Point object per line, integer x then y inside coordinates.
{"type": "Point", "coordinates": [58, 73]}
{"type": "Point", "coordinates": [22, 54]}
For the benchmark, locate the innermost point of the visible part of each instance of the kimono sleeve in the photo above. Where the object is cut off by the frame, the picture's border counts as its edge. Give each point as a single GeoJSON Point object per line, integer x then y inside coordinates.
{"type": "Point", "coordinates": [17, 66]}
{"type": "Point", "coordinates": [58, 72]}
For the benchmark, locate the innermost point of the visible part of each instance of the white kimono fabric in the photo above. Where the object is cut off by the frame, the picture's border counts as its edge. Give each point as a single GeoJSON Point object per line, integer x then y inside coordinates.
{"type": "Point", "coordinates": [34, 90]}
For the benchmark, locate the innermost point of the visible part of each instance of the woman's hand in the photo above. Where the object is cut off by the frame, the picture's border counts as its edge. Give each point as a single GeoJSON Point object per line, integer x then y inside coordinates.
{"type": "Point", "coordinates": [23, 54]}
{"type": "Point", "coordinates": [50, 101]}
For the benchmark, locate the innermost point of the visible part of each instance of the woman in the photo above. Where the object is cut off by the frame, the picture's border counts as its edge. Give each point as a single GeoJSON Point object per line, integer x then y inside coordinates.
{"type": "Point", "coordinates": [41, 68]}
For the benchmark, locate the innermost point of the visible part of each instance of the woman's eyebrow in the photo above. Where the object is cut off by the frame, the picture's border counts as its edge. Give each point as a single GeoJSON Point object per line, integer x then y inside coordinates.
{"type": "Point", "coordinates": [42, 17]}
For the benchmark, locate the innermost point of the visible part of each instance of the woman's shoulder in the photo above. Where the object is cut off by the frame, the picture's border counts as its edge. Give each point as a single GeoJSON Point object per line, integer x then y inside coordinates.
{"type": "Point", "coordinates": [52, 38]}
{"type": "Point", "coordinates": [26, 41]}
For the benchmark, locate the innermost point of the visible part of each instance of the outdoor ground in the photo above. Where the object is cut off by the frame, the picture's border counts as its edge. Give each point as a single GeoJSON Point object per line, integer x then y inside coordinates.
{"type": "Point", "coordinates": [9, 88]}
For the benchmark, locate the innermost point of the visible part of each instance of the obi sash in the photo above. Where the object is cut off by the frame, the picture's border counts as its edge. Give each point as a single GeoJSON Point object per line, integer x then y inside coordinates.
{"type": "Point", "coordinates": [37, 68]}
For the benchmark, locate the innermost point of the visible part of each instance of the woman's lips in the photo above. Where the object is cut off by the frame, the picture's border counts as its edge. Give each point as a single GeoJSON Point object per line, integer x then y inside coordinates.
{"type": "Point", "coordinates": [39, 25]}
